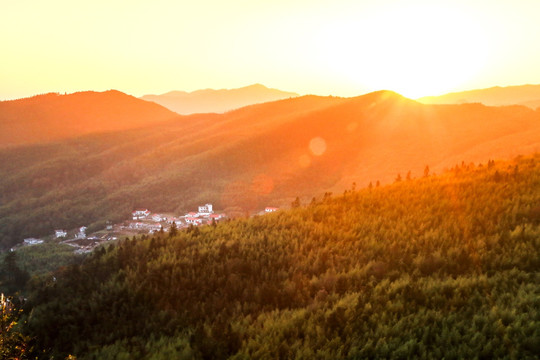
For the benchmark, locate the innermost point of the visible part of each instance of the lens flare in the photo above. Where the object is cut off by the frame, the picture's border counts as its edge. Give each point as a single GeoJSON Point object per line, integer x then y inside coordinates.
{"type": "Point", "coordinates": [317, 146]}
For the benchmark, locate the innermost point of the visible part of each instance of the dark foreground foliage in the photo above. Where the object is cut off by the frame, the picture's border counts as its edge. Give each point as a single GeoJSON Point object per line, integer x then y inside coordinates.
{"type": "Point", "coordinates": [13, 344]}
{"type": "Point", "coordinates": [436, 267]}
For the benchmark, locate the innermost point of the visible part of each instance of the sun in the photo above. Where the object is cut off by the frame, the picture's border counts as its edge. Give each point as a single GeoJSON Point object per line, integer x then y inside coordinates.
{"type": "Point", "coordinates": [416, 50]}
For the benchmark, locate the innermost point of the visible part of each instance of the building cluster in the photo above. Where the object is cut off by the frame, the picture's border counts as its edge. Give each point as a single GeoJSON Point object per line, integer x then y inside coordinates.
{"type": "Point", "coordinates": [142, 220]}
{"type": "Point", "coordinates": [60, 234]}
{"type": "Point", "coordinates": [140, 214]}
{"type": "Point", "coordinates": [151, 228]}
{"type": "Point", "coordinates": [32, 241]}
{"type": "Point", "coordinates": [204, 215]}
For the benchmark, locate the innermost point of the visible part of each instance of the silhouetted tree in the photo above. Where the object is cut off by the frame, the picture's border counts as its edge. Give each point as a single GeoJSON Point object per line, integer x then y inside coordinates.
{"type": "Point", "coordinates": [174, 230]}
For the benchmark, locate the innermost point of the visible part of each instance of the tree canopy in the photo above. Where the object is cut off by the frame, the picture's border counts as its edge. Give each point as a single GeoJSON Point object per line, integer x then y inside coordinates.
{"type": "Point", "coordinates": [441, 266]}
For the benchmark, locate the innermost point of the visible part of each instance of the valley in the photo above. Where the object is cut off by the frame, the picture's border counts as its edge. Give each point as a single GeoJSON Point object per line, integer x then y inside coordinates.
{"type": "Point", "coordinates": [261, 155]}
{"type": "Point", "coordinates": [396, 223]}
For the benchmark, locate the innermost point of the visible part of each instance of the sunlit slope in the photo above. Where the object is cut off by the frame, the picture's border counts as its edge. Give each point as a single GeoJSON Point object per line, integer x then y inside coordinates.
{"type": "Point", "coordinates": [50, 117]}
{"type": "Point", "coordinates": [527, 95]}
{"type": "Point", "coordinates": [434, 267]}
{"type": "Point", "coordinates": [217, 101]}
{"type": "Point", "coordinates": [174, 165]}
{"type": "Point", "coordinates": [254, 157]}
{"type": "Point", "coordinates": [404, 136]}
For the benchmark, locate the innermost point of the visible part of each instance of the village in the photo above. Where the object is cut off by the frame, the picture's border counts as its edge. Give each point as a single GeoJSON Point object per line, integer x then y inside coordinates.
{"type": "Point", "coordinates": [142, 221]}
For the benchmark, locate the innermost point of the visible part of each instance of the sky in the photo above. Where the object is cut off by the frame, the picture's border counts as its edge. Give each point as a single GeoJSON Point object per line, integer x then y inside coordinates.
{"type": "Point", "coordinates": [339, 47]}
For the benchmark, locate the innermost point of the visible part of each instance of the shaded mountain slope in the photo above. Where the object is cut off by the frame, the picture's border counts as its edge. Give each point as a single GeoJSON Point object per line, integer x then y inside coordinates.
{"type": "Point", "coordinates": [527, 95]}
{"type": "Point", "coordinates": [50, 117]}
{"type": "Point", "coordinates": [257, 156]}
{"type": "Point", "coordinates": [217, 101]}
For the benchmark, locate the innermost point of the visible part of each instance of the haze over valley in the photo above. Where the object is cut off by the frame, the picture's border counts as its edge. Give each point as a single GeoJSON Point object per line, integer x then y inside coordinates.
{"type": "Point", "coordinates": [217, 101]}
{"type": "Point", "coordinates": [526, 95]}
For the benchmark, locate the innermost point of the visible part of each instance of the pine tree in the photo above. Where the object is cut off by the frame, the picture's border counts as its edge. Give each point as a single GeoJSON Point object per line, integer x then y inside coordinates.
{"type": "Point", "coordinates": [174, 230]}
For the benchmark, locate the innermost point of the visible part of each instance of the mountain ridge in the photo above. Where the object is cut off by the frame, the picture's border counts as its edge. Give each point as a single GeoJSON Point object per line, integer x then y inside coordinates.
{"type": "Point", "coordinates": [53, 117]}
{"type": "Point", "coordinates": [527, 95]}
{"type": "Point", "coordinates": [217, 101]}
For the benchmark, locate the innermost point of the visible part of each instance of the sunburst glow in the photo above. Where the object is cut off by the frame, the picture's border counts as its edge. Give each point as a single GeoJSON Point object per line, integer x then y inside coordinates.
{"type": "Point", "coordinates": [344, 48]}
{"type": "Point", "coordinates": [414, 50]}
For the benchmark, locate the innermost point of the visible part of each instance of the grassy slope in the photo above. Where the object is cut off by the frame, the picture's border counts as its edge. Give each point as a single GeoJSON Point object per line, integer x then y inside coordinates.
{"type": "Point", "coordinates": [44, 258]}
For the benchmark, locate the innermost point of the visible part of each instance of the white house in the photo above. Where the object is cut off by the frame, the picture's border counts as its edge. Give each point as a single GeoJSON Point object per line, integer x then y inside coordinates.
{"type": "Point", "coordinates": [171, 219]}
{"type": "Point", "coordinates": [193, 220]}
{"type": "Point", "coordinates": [270, 209]}
{"type": "Point", "coordinates": [154, 228]}
{"type": "Point", "coordinates": [140, 214]}
{"type": "Point", "coordinates": [60, 233]}
{"type": "Point", "coordinates": [136, 225]}
{"type": "Point", "coordinates": [216, 216]}
{"type": "Point", "coordinates": [205, 210]}
{"type": "Point", "coordinates": [158, 217]}
{"type": "Point", "coordinates": [82, 233]}
{"type": "Point", "coordinates": [32, 241]}
{"type": "Point", "coordinates": [191, 214]}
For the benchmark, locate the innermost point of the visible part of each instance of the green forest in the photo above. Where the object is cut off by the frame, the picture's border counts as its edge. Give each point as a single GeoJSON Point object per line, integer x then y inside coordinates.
{"type": "Point", "coordinates": [436, 267]}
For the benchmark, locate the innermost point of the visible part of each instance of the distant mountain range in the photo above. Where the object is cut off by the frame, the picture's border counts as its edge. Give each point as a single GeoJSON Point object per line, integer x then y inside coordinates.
{"type": "Point", "coordinates": [260, 155]}
{"type": "Point", "coordinates": [527, 95]}
{"type": "Point", "coordinates": [52, 117]}
{"type": "Point", "coordinates": [217, 101]}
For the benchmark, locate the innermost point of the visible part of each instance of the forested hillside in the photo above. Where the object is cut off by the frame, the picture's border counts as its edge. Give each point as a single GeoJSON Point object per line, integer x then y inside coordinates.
{"type": "Point", "coordinates": [51, 117]}
{"type": "Point", "coordinates": [439, 266]}
{"type": "Point", "coordinates": [257, 156]}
